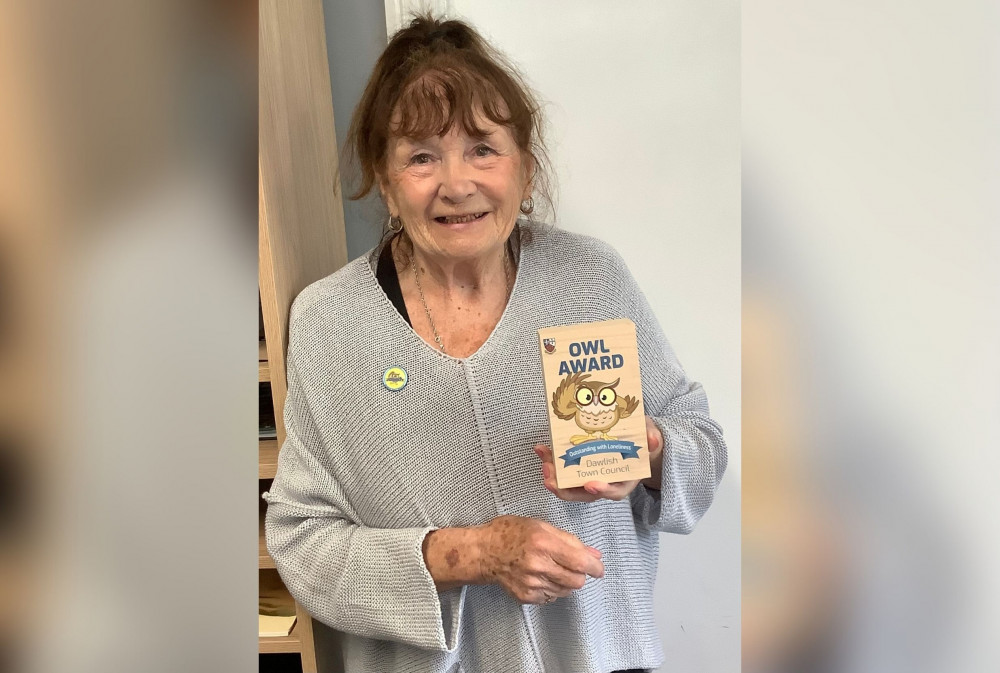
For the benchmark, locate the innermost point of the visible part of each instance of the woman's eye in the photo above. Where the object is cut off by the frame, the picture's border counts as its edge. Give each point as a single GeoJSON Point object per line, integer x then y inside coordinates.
{"type": "Point", "coordinates": [420, 159]}
{"type": "Point", "coordinates": [484, 151]}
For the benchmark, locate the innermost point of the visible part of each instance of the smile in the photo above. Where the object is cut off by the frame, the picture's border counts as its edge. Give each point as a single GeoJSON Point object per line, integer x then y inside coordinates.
{"type": "Point", "coordinates": [461, 219]}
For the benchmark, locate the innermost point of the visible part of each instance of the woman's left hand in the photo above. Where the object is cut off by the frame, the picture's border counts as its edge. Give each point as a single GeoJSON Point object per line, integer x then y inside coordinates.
{"type": "Point", "coordinates": [595, 490]}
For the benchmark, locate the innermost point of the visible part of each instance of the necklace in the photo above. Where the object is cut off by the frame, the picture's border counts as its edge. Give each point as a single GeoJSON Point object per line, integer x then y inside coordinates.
{"type": "Point", "coordinates": [423, 300]}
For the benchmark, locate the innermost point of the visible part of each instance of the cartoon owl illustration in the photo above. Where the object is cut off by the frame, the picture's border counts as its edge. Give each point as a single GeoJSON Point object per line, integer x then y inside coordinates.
{"type": "Point", "coordinates": [594, 405]}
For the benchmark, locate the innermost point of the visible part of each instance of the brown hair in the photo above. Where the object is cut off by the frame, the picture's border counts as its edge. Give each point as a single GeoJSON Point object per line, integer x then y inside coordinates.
{"type": "Point", "coordinates": [435, 74]}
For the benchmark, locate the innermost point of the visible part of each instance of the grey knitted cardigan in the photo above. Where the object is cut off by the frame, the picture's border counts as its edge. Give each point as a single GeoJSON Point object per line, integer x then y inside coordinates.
{"type": "Point", "coordinates": [365, 472]}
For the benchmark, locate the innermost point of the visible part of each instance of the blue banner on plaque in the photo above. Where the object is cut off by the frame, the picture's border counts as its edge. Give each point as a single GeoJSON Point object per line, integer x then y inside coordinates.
{"type": "Point", "coordinates": [577, 453]}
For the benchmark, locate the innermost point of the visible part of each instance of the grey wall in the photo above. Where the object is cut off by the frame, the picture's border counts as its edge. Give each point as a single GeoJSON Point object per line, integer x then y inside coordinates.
{"type": "Point", "coordinates": [355, 36]}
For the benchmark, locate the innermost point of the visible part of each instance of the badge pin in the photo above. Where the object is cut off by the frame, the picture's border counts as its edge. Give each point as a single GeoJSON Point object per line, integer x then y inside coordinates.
{"type": "Point", "coordinates": [394, 378]}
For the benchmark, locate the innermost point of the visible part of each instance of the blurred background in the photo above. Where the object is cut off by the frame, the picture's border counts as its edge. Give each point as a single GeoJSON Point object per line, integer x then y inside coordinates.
{"type": "Point", "coordinates": [871, 324]}
{"type": "Point", "coordinates": [128, 315]}
{"type": "Point", "coordinates": [871, 335]}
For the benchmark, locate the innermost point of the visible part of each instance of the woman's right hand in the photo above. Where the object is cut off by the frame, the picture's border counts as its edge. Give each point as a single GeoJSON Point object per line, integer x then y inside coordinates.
{"type": "Point", "coordinates": [535, 562]}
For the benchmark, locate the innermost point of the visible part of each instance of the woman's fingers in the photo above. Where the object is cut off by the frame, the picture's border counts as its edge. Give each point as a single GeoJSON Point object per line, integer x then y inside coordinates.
{"type": "Point", "coordinates": [536, 562]}
{"type": "Point", "coordinates": [577, 494]}
{"type": "Point", "coordinates": [544, 453]}
{"type": "Point", "coordinates": [549, 595]}
{"type": "Point", "coordinates": [573, 556]}
{"type": "Point", "coordinates": [654, 437]}
{"type": "Point", "coordinates": [570, 494]}
{"type": "Point", "coordinates": [589, 492]}
{"type": "Point", "coordinates": [559, 580]}
{"type": "Point", "coordinates": [563, 582]}
{"type": "Point", "coordinates": [619, 491]}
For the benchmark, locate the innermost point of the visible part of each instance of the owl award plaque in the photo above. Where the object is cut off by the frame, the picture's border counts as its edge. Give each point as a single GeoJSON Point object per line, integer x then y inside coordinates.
{"type": "Point", "coordinates": [594, 399]}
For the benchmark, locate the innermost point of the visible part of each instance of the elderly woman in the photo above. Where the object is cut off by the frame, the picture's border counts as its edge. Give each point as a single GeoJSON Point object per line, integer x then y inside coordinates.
{"type": "Point", "coordinates": [415, 508]}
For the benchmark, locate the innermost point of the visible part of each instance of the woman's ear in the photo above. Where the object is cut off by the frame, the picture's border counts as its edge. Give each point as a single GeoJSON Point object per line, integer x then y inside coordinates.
{"type": "Point", "coordinates": [529, 183]}
{"type": "Point", "coordinates": [390, 203]}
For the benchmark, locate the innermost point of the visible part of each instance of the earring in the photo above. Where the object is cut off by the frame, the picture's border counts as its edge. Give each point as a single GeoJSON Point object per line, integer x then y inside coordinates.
{"type": "Point", "coordinates": [395, 224]}
{"type": "Point", "coordinates": [527, 206]}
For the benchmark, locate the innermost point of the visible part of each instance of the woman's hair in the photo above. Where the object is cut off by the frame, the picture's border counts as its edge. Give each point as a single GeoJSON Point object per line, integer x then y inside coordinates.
{"type": "Point", "coordinates": [435, 74]}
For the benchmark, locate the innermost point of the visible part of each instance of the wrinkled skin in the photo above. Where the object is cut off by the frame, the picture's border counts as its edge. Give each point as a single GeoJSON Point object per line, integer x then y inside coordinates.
{"type": "Point", "coordinates": [536, 562]}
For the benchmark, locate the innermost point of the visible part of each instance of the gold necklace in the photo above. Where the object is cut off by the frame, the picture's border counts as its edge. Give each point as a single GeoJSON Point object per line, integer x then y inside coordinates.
{"type": "Point", "coordinates": [423, 300]}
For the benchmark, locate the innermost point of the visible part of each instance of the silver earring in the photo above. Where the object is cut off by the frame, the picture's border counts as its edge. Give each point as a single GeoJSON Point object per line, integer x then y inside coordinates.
{"type": "Point", "coordinates": [527, 206]}
{"type": "Point", "coordinates": [395, 224]}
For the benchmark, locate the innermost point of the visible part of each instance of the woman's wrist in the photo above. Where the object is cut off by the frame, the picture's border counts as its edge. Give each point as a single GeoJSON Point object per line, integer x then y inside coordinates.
{"type": "Point", "coordinates": [456, 556]}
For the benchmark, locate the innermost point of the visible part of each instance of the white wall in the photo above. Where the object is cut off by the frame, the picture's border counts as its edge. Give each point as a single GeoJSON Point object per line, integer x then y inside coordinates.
{"type": "Point", "coordinates": [644, 106]}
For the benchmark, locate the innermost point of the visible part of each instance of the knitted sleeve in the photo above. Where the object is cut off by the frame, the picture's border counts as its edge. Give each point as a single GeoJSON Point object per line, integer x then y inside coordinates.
{"type": "Point", "coordinates": [694, 452]}
{"type": "Point", "coordinates": [370, 582]}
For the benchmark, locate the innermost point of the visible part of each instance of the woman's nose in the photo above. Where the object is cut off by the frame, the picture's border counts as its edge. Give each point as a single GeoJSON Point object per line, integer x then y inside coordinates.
{"type": "Point", "coordinates": [457, 184]}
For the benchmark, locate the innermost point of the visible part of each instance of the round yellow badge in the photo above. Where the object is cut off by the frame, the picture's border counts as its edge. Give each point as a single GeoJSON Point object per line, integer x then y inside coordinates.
{"type": "Point", "coordinates": [394, 378]}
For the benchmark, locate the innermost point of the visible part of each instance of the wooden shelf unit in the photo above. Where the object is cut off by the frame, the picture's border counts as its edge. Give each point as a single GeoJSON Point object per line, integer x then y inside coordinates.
{"type": "Point", "coordinates": [267, 459]}
{"type": "Point", "coordinates": [299, 639]}
{"type": "Point", "coordinates": [292, 643]}
{"type": "Point", "coordinates": [264, 559]}
{"type": "Point", "coordinates": [301, 217]}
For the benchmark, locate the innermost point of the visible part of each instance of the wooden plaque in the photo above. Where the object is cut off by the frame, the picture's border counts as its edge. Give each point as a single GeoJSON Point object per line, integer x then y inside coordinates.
{"type": "Point", "coordinates": [594, 399]}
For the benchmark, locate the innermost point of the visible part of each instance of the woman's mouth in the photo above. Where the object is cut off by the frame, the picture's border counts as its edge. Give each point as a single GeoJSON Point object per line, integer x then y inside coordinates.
{"type": "Point", "coordinates": [460, 219]}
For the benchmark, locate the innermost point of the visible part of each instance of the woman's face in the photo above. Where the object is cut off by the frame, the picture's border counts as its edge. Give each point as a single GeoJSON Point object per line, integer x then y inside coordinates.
{"type": "Point", "coordinates": [457, 196]}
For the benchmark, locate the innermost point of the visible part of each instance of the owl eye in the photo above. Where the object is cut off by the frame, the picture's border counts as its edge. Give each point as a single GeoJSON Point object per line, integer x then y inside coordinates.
{"type": "Point", "coordinates": [608, 396]}
{"type": "Point", "coordinates": [584, 396]}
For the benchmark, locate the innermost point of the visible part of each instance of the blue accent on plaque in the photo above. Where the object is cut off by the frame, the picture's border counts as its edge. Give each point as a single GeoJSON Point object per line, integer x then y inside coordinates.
{"type": "Point", "coordinates": [578, 452]}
